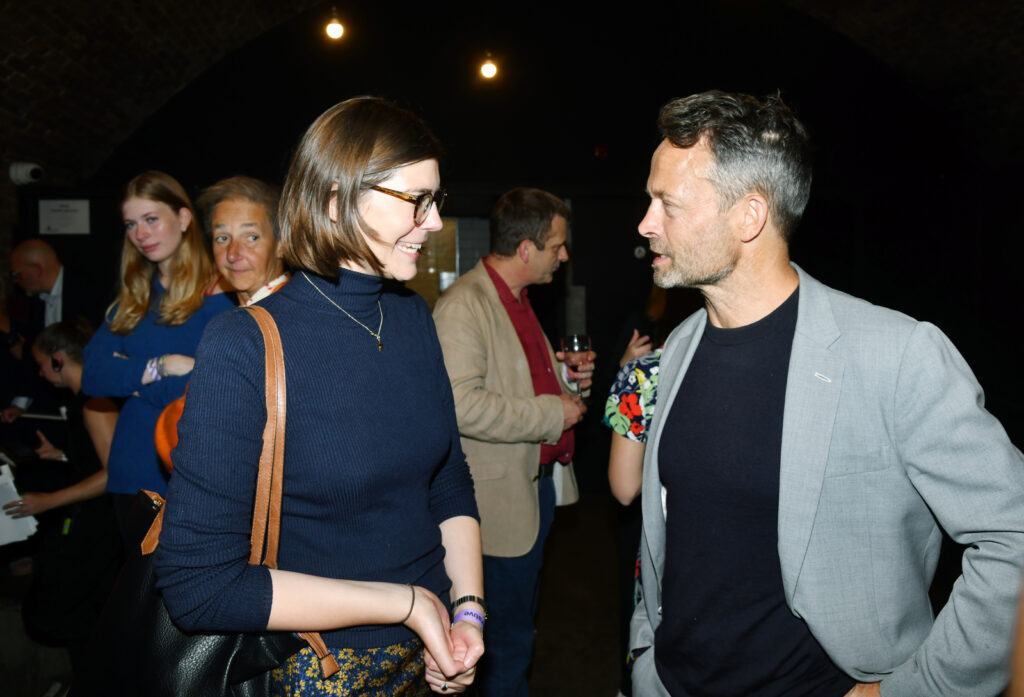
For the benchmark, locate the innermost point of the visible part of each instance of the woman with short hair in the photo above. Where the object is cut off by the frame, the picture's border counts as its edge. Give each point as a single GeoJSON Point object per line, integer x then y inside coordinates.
{"type": "Point", "coordinates": [79, 548]}
{"type": "Point", "coordinates": [379, 528]}
{"type": "Point", "coordinates": [241, 217]}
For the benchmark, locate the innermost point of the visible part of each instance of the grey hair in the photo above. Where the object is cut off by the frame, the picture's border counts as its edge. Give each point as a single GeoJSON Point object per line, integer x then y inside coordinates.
{"type": "Point", "coordinates": [758, 147]}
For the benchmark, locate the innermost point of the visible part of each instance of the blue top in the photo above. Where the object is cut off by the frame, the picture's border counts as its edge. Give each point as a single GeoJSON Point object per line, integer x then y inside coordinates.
{"type": "Point", "coordinates": [114, 365]}
{"type": "Point", "coordinates": [373, 462]}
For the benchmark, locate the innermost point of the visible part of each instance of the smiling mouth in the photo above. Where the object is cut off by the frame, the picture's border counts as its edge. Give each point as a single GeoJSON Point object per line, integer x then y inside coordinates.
{"type": "Point", "coordinates": [409, 247]}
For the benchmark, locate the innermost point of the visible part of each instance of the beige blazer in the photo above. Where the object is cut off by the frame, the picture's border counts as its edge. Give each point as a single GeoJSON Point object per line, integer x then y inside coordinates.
{"type": "Point", "coordinates": [502, 422]}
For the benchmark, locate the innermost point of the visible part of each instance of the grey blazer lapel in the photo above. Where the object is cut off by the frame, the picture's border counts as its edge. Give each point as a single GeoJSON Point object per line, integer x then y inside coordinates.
{"type": "Point", "coordinates": [813, 387]}
{"type": "Point", "coordinates": [675, 359]}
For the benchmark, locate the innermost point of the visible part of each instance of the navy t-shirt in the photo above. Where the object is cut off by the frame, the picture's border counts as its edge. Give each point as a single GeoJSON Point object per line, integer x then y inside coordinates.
{"type": "Point", "coordinates": [726, 629]}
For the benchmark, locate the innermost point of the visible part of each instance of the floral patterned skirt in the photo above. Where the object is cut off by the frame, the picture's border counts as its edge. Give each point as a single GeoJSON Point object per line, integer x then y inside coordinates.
{"type": "Point", "coordinates": [382, 672]}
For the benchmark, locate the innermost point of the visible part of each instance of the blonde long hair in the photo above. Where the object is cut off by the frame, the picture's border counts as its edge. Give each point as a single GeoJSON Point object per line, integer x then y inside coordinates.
{"type": "Point", "coordinates": [192, 271]}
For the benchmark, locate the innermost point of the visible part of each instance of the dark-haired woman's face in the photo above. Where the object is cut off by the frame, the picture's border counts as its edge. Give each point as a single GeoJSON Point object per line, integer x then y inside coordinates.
{"type": "Point", "coordinates": [400, 238]}
{"type": "Point", "coordinates": [244, 248]}
{"type": "Point", "coordinates": [154, 228]}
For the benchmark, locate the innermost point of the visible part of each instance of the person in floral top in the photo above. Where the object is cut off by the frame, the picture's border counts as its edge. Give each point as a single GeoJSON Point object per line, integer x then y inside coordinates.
{"type": "Point", "coordinates": [628, 413]}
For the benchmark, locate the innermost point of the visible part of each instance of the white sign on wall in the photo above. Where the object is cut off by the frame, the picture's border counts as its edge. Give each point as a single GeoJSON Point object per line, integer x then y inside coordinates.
{"type": "Point", "coordinates": [68, 216]}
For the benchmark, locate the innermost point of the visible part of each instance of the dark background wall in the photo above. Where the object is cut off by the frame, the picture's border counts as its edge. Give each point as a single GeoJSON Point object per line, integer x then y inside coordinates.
{"type": "Point", "coordinates": [914, 106]}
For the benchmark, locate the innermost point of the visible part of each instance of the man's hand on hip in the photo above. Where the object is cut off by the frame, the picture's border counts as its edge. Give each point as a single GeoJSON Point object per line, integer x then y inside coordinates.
{"type": "Point", "coordinates": [573, 409]}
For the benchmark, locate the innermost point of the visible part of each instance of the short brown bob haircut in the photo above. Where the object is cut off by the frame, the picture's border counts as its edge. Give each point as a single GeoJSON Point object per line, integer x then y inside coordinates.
{"type": "Point", "coordinates": [351, 147]}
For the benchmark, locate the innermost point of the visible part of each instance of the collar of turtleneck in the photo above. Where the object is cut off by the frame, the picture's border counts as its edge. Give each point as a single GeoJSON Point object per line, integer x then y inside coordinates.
{"type": "Point", "coordinates": [357, 292]}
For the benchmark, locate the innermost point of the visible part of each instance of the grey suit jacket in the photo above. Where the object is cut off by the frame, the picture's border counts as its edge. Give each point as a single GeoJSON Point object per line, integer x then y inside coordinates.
{"type": "Point", "coordinates": [884, 439]}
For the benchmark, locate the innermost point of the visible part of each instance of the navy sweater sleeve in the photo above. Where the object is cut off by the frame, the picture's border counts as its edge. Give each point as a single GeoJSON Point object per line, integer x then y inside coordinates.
{"type": "Point", "coordinates": [202, 560]}
{"type": "Point", "coordinates": [451, 491]}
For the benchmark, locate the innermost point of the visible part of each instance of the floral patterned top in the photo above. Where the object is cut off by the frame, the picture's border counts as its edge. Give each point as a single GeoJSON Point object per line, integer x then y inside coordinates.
{"type": "Point", "coordinates": [631, 399]}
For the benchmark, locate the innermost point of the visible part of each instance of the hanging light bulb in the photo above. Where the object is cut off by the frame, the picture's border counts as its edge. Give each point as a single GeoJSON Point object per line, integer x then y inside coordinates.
{"type": "Point", "coordinates": [488, 69]}
{"type": "Point", "coordinates": [334, 28]}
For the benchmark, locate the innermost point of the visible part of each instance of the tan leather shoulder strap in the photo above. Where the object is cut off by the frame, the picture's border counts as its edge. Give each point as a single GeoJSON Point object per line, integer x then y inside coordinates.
{"type": "Point", "coordinates": [266, 517]}
{"type": "Point", "coordinates": [270, 480]}
{"type": "Point", "coordinates": [152, 538]}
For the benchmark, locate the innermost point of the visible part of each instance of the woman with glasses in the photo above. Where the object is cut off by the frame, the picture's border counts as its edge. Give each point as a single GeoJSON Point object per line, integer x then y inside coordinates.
{"type": "Point", "coordinates": [379, 532]}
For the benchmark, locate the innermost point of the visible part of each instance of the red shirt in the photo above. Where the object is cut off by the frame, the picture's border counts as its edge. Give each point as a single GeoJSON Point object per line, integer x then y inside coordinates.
{"type": "Point", "coordinates": [531, 336]}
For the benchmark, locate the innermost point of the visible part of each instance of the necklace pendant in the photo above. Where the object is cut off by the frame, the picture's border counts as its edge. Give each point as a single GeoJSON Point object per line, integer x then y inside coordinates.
{"type": "Point", "coordinates": [374, 334]}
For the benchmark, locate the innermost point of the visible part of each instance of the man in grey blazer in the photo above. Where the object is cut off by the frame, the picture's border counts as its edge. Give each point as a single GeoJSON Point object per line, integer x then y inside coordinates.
{"type": "Point", "coordinates": [805, 450]}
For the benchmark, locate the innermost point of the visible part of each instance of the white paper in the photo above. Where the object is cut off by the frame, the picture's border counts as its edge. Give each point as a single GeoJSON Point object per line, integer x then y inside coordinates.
{"type": "Point", "coordinates": [12, 529]}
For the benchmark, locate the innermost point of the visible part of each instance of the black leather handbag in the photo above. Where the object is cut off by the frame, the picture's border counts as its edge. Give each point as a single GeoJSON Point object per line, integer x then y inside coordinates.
{"type": "Point", "coordinates": [137, 650]}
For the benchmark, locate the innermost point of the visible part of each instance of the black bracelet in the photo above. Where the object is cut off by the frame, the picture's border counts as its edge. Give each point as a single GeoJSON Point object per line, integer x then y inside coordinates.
{"type": "Point", "coordinates": [411, 604]}
{"type": "Point", "coordinates": [471, 599]}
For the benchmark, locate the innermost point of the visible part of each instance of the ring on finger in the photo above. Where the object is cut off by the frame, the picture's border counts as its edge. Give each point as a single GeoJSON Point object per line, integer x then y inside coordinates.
{"type": "Point", "coordinates": [444, 687]}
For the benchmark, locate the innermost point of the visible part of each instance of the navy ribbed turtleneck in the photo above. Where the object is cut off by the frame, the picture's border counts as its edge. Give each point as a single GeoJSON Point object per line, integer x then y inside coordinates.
{"type": "Point", "coordinates": [372, 456]}
{"type": "Point", "coordinates": [356, 292]}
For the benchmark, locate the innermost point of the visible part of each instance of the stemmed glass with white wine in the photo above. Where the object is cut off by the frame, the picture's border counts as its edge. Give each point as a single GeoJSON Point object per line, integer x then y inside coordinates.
{"type": "Point", "coordinates": [575, 347]}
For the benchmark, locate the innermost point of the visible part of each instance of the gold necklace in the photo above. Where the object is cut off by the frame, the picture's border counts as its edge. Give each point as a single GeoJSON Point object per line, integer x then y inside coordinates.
{"type": "Point", "coordinates": [374, 334]}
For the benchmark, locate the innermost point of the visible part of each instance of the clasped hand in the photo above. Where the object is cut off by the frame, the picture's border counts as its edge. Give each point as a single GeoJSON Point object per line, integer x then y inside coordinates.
{"type": "Point", "coordinates": [450, 653]}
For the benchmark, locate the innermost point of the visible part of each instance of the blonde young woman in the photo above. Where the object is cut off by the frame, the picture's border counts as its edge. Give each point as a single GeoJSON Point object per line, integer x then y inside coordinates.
{"type": "Point", "coordinates": [379, 528]}
{"type": "Point", "coordinates": [144, 350]}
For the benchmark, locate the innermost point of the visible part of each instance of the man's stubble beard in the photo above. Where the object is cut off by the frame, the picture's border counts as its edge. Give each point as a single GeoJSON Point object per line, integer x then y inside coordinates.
{"type": "Point", "coordinates": [676, 277]}
{"type": "Point", "coordinates": [673, 278]}
{"type": "Point", "coordinates": [711, 261]}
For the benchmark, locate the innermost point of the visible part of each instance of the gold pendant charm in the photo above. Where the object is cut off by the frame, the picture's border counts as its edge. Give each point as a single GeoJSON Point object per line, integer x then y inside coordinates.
{"type": "Point", "coordinates": [380, 345]}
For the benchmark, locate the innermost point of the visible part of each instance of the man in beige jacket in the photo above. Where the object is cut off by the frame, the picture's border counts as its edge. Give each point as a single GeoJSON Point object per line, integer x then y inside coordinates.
{"type": "Point", "coordinates": [515, 417]}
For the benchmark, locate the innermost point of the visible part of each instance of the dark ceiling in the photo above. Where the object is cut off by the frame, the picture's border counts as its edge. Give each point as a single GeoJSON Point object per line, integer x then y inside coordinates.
{"type": "Point", "coordinates": [245, 77]}
{"type": "Point", "coordinates": [915, 107]}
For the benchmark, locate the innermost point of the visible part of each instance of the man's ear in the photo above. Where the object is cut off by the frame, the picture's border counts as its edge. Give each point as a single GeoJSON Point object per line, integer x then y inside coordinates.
{"type": "Point", "coordinates": [751, 215]}
{"type": "Point", "coordinates": [524, 250]}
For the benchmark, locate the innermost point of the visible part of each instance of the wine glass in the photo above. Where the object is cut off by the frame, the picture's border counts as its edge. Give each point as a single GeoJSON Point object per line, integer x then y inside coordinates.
{"type": "Point", "coordinates": [575, 348]}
